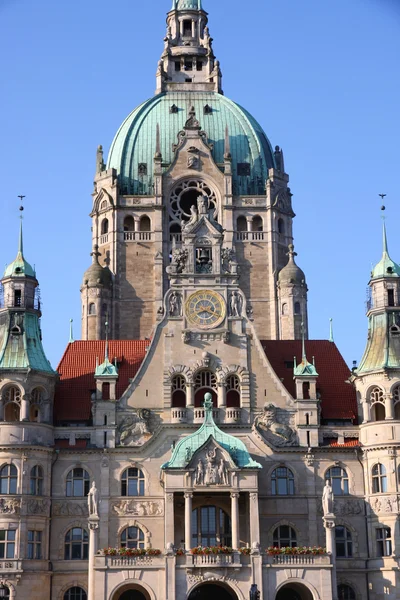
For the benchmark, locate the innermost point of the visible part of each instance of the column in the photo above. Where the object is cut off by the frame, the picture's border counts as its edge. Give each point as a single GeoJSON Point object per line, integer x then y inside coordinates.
{"type": "Point", "coordinates": [1, 407]}
{"type": "Point", "coordinates": [25, 407]}
{"type": "Point", "coordinates": [235, 519]}
{"type": "Point", "coordinates": [188, 520]}
{"type": "Point", "coordinates": [93, 527]}
{"type": "Point", "coordinates": [221, 395]}
{"type": "Point", "coordinates": [329, 524]}
{"type": "Point", "coordinates": [169, 520]}
{"type": "Point", "coordinates": [189, 395]}
{"type": "Point", "coordinates": [254, 521]}
{"type": "Point", "coordinates": [366, 411]}
{"type": "Point", "coordinates": [389, 406]}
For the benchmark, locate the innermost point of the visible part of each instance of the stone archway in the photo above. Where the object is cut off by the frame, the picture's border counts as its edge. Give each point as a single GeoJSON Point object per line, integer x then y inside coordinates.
{"type": "Point", "coordinates": [131, 592]}
{"type": "Point", "coordinates": [294, 591]}
{"type": "Point", "coordinates": [212, 591]}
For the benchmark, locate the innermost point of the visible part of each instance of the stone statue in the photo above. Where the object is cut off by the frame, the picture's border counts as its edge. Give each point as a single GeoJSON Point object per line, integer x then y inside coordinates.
{"type": "Point", "coordinates": [194, 217]}
{"type": "Point", "coordinates": [283, 435]}
{"type": "Point", "coordinates": [222, 474]}
{"type": "Point", "coordinates": [235, 309]}
{"type": "Point", "coordinates": [202, 204]}
{"type": "Point", "coordinates": [175, 305]}
{"type": "Point", "coordinates": [327, 499]}
{"type": "Point", "coordinates": [193, 161]}
{"type": "Point", "coordinates": [227, 258]}
{"type": "Point", "coordinates": [93, 501]}
{"type": "Point", "coordinates": [200, 473]}
{"type": "Point", "coordinates": [211, 467]}
{"type": "Point", "coordinates": [179, 258]}
{"type": "Point", "coordinates": [216, 72]}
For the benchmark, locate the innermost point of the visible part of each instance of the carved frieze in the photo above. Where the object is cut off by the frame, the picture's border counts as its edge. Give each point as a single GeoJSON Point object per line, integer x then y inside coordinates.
{"type": "Point", "coordinates": [10, 506]}
{"type": "Point", "coordinates": [138, 508]}
{"type": "Point", "coordinates": [70, 509]}
{"type": "Point", "coordinates": [341, 508]}
{"type": "Point", "coordinates": [38, 506]}
{"type": "Point", "coordinates": [384, 504]}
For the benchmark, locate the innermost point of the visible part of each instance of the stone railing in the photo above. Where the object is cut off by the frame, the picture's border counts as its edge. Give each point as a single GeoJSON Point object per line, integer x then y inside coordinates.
{"type": "Point", "coordinates": [130, 562]}
{"type": "Point", "coordinates": [233, 415]}
{"type": "Point", "coordinates": [199, 414]}
{"type": "Point", "coordinates": [137, 236]}
{"type": "Point", "coordinates": [298, 559]}
{"type": "Point", "coordinates": [250, 236]}
{"type": "Point", "coordinates": [178, 415]}
{"type": "Point", "coordinates": [213, 560]}
{"type": "Point", "coordinates": [10, 566]}
{"type": "Point", "coordinates": [103, 239]}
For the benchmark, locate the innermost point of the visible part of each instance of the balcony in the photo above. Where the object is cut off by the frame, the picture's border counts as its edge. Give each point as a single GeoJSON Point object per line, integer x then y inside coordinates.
{"type": "Point", "coordinates": [129, 562]}
{"type": "Point", "coordinates": [318, 560]}
{"type": "Point", "coordinates": [233, 415]}
{"type": "Point", "coordinates": [199, 415]}
{"type": "Point", "coordinates": [213, 560]}
{"type": "Point", "coordinates": [249, 236]}
{"type": "Point", "coordinates": [103, 239]}
{"type": "Point", "coordinates": [178, 415]}
{"type": "Point", "coordinates": [137, 236]}
{"type": "Point", "coordinates": [10, 567]}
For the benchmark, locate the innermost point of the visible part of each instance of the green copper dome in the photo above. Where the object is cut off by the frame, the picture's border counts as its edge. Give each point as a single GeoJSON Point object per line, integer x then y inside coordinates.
{"type": "Point", "coordinates": [132, 151]}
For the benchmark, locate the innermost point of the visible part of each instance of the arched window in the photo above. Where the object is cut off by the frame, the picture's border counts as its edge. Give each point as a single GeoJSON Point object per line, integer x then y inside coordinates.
{"type": "Point", "coordinates": [281, 226]}
{"type": "Point", "coordinates": [344, 542]}
{"type": "Point", "coordinates": [345, 592]}
{"type": "Point", "coordinates": [76, 545]}
{"type": "Point", "coordinates": [377, 401]}
{"type": "Point", "coordinates": [396, 402]}
{"type": "Point", "coordinates": [383, 541]}
{"type": "Point", "coordinates": [285, 536]}
{"type": "Point", "coordinates": [37, 396]}
{"type": "Point", "coordinates": [257, 224]}
{"type": "Point", "coordinates": [132, 482]}
{"type": "Point", "coordinates": [297, 308]}
{"type": "Point", "coordinates": [379, 479]}
{"type": "Point", "coordinates": [285, 308]}
{"type": "Point", "coordinates": [282, 481]}
{"type": "Point", "coordinates": [211, 526]}
{"type": "Point", "coordinates": [8, 479]}
{"type": "Point", "coordinates": [12, 401]}
{"type": "Point", "coordinates": [104, 226]}
{"type": "Point", "coordinates": [145, 223]}
{"type": "Point", "coordinates": [129, 224]}
{"type": "Point", "coordinates": [36, 481]}
{"type": "Point", "coordinates": [132, 537]}
{"type": "Point", "coordinates": [92, 308]}
{"type": "Point", "coordinates": [205, 381]}
{"type": "Point", "coordinates": [233, 392]}
{"type": "Point", "coordinates": [75, 593]}
{"type": "Point", "coordinates": [78, 483]}
{"type": "Point", "coordinates": [339, 481]}
{"type": "Point", "coordinates": [6, 591]}
{"type": "Point", "coordinates": [241, 224]}
{"type": "Point", "coordinates": [178, 392]}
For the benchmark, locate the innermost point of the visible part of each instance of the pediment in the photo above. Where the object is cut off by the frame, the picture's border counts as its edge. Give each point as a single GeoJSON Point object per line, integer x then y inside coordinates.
{"type": "Point", "coordinates": [212, 465]}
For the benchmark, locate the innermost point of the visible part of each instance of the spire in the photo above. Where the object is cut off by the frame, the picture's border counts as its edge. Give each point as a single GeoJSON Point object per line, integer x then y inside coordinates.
{"type": "Point", "coordinates": [158, 144]}
{"type": "Point", "coordinates": [331, 330]}
{"type": "Point", "coordinates": [106, 370]}
{"type": "Point", "coordinates": [71, 332]}
{"type": "Point", "coordinates": [304, 369]}
{"type": "Point", "coordinates": [386, 267]}
{"type": "Point", "coordinates": [20, 267]}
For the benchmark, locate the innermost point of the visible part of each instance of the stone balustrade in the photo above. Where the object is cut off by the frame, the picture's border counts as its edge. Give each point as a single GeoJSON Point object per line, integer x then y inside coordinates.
{"type": "Point", "coordinates": [298, 559]}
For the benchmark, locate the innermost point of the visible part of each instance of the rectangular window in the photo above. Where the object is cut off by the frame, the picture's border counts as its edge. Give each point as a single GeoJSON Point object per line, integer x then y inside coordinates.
{"type": "Point", "coordinates": [34, 545]}
{"type": "Point", "coordinates": [17, 297]}
{"type": "Point", "coordinates": [383, 541]}
{"type": "Point", "coordinates": [199, 65]}
{"type": "Point", "coordinates": [177, 65]}
{"type": "Point", "coordinates": [188, 64]}
{"type": "Point", "coordinates": [7, 543]}
{"type": "Point", "coordinates": [390, 297]}
{"type": "Point", "coordinates": [187, 28]}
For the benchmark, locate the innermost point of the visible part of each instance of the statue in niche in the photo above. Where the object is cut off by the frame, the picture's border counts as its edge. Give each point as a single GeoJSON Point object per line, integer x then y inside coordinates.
{"type": "Point", "coordinates": [200, 473]}
{"type": "Point", "coordinates": [235, 302]}
{"type": "Point", "coordinates": [222, 473]}
{"type": "Point", "coordinates": [175, 305]}
{"type": "Point", "coordinates": [211, 467]}
{"type": "Point", "coordinates": [194, 217]}
{"type": "Point", "coordinates": [202, 204]}
{"type": "Point", "coordinates": [327, 499]}
{"type": "Point", "coordinates": [178, 263]}
{"type": "Point", "coordinates": [227, 258]}
{"type": "Point", "coordinates": [283, 435]}
{"type": "Point", "coordinates": [93, 501]}
{"type": "Point", "coordinates": [134, 428]}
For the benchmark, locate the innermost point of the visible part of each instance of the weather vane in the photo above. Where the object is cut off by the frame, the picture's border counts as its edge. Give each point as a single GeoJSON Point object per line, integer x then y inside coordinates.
{"type": "Point", "coordinates": [21, 208]}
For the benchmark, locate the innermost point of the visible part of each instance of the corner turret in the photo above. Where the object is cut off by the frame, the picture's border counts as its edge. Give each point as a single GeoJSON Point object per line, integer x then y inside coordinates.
{"type": "Point", "coordinates": [292, 300]}
{"type": "Point", "coordinates": [96, 296]}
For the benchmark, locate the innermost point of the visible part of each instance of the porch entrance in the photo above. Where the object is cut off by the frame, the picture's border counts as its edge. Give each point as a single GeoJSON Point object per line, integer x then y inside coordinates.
{"type": "Point", "coordinates": [132, 593]}
{"type": "Point", "coordinates": [294, 591]}
{"type": "Point", "coordinates": [212, 591]}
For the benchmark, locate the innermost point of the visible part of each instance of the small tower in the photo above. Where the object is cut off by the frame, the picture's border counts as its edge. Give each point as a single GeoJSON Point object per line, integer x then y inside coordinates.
{"type": "Point", "coordinates": [103, 401]}
{"type": "Point", "coordinates": [26, 376]}
{"type": "Point", "coordinates": [305, 376]}
{"type": "Point", "coordinates": [292, 300]}
{"type": "Point", "coordinates": [188, 62]}
{"type": "Point", "coordinates": [96, 296]}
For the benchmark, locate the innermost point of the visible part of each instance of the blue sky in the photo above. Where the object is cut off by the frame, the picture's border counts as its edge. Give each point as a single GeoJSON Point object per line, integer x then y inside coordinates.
{"type": "Point", "coordinates": [321, 76]}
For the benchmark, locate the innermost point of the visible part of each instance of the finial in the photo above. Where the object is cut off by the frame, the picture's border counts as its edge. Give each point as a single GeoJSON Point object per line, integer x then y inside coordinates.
{"type": "Point", "coordinates": [383, 208]}
{"type": "Point", "coordinates": [331, 330]}
{"type": "Point", "coordinates": [106, 328]}
{"type": "Point", "coordinates": [71, 332]}
{"type": "Point", "coordinates": [291, 253]}
{"type": "Point", "coordinates": [303, 344]}
{"type": "Point", "coordinates": [158, 144]}
{"type": "Point", "coordinates": [20, 241]}
{"type": "Point", "coordinates": [95, 254]}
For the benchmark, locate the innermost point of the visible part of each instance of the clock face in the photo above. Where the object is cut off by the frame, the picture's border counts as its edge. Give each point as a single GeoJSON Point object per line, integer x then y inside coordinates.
{"type": "Point", "coordinates": [205, 309]}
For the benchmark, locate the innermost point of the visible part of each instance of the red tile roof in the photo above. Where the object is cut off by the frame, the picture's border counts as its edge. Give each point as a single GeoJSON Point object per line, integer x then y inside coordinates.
{"type": "Point", "coordinates": [76, 369]}
{"type": "Point", "coordinates": [338, 399]}
{"type": "Point", "coordinates": [65, 444]}
{"type": "Point", "coordinates": [348, 443]}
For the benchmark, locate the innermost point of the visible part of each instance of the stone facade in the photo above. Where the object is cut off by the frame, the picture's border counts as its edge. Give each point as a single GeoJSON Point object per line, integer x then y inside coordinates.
{"type": "Point", "coordinates": [205, 424]}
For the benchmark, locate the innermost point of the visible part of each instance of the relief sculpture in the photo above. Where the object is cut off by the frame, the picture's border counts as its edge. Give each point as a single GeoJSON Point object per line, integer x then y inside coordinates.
{"type": "Point", "coordinates": [272, 429]}
{"type": "Point", "coordinates": [134, 428]}
{"type": "Point", "coordinates": [138, 509]}
{"type": "Point", "coordinates": [70, 509]}
{"type": "Point", "coordinates": [10, 506]}
{"type": "Point", "coordinates": [212, 470]}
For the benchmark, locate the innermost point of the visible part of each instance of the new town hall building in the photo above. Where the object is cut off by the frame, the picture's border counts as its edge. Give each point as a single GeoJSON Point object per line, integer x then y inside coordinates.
{"type": "Point", "coordinates": [195, 400]}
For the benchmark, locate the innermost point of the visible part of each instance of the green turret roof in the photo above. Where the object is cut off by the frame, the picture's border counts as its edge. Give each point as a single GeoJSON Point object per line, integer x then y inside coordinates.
{"type": "Point", "coordinates": [386, 267]}
{"type": "Point", "coordinates": [383, 346]}
{"type": "Point", "coordinates": [187, 447]}
{"type": "Point", "coordinates": [304, 369]}
{"type": "Point", "coordinates": [106, 369]}
{"type": "Point", "coordinates": [19, 267]}
{"type": "Point", "coordinates": [188, 4]}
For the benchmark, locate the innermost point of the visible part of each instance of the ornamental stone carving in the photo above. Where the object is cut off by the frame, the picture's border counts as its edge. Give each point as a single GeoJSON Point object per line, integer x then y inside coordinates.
{"type": "Point", "coordinates": [385, 504]}
{"type": "Point", "coordinates": [235, 304]}
{"type": "Point", "coordinates": [342, 508]}
{"type": "Point", "coordinates": [134, 428]}
{"type": "Point", "coordinates": [10, 506]}
{"type": "Point", "coordinates": [38, 507]}
{"type": "Point", "coordinates": [212, 469]}
{"type": "Point", "coordinates": [138, 508]}
{"type": "Point", "coordinates": [175, 305]}
{"type": "Point", "coordinates": [273, 429]}
{"type": "Point", "coordinates": [70, 509]}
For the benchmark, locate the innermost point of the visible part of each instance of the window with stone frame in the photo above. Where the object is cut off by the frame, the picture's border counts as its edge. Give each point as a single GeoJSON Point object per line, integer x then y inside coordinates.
{"type": "Point", "coordinates": [339, 480]}
{"type": "Point", "coordinates": [233, 391]}
{"type": "Point", "coordinates": [205, 381]}
{"type": "Point", "coordinates": [34, 545]}
{"type": "Point", "coordinates": [396, 402]}
{"type": "Point", "coordinates": [379, 479]}
{"type": "Point", "coordinates": [178, 391]}
{"type": "Point", "coordinates": [383, 541]}
{"type": "Point", "coordinates": [77, 483]}
{"type": "Point", "coordinates": [377, 402]}
{"type": "Point", "coordinates": [8, 479]}
{"type": "Point", "coordinates": [132, 537]}
{"type": "Point", "coordinates": [36, 481]}
{"type": "Point", "coordinates": [132, 482]}
{"type": "Point", "coordinates": [104, 226]}
{"type": "Point", "coordinates": [344, 542]}
{"type": "Point", "coordinates": [211, 526]}
{"type": "Point", "coordinates": [282, 482]}
{"type": "Point", "coordinates": [12, 404]}
{"type": "Point", "coordinates": [285, 536]}
{"type": "Point", "coordinates": [7, 543]}
{"type": "Point", "coordinates": [345, 592]}
{"type": "Point", "coordinates": [76, 545]}
{"type": "Point", "coordinates": [75, 593]}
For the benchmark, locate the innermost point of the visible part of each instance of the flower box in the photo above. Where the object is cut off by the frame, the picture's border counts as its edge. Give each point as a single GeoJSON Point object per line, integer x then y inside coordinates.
{"type": "Point", "coordinates": [212, 550]}
{"type": "Point", "coordinates": [131, 552]}
{"type": "Point", "coordinates": [314, 550]}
